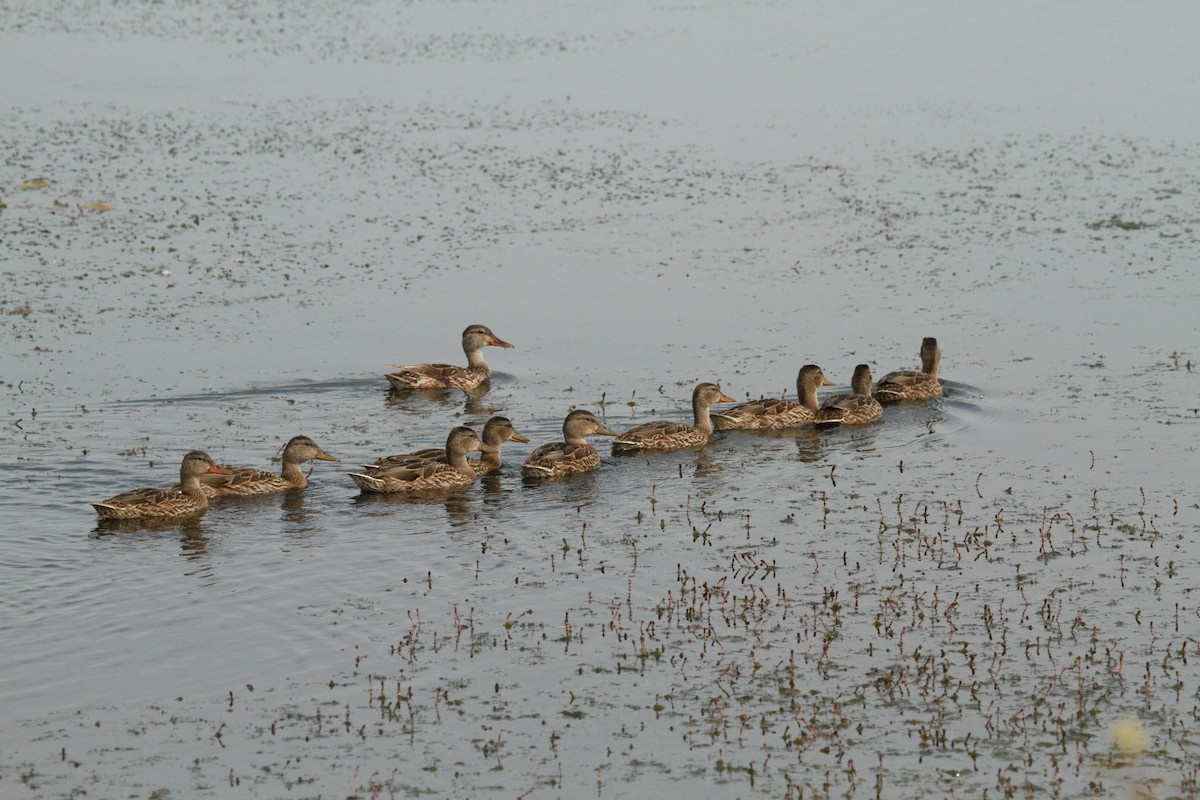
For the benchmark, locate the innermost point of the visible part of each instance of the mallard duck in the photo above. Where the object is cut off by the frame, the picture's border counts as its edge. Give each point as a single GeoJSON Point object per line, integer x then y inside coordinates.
{"type": "Point", "coordinates": [775, 414]}
{"type": "Point", "coordinates": [496, 432]}
{"type": "Point", "coordinates": [419, 475]}
{"type": "Point", "coordinates": [570, 457]}
{"type": "Point", "coordinates": [164, 504]}
{"type": "Point", "coordinates": [851, 409]}
{"type": "Point", "coordinates": [447, 376]}
{"type": "Point", "coordinates": [246, 481]}
{"type": "Point", "coordinates": [667, 435]}
{"type": "Point", "coordinates": [909, 384]}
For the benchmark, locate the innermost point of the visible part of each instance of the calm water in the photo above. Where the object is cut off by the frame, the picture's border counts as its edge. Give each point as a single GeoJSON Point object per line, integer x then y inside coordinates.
{"type": "Point", "coordinates": [976, 595]}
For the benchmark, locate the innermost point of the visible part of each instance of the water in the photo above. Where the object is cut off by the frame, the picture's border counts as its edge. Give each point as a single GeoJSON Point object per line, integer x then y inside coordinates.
{"type": "Point", "coordinates": [967, 597]}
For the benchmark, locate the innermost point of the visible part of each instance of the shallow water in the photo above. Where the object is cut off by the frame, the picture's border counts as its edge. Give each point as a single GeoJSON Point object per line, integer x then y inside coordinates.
{"type": "Point", "coordinates": [965, 598]}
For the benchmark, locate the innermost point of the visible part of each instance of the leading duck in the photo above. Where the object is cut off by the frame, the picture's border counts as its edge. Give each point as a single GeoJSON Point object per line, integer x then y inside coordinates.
{"type": "Point", "coordinates": [448, 376]}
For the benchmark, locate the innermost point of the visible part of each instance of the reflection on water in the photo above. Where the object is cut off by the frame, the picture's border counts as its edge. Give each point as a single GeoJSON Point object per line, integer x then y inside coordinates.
{"type": "Point", "coordinates": [424, 402]}
{"type": "Point", "coordinates": [110, 527]}
{"type": "Point", "coordinates": [811, 445]}
{"type": "Point", "coordinates": [293, 506]}
{"type": "Point", "coordinates": [457, 505]}
{"type": "Point", "coordinates": [705, 465]}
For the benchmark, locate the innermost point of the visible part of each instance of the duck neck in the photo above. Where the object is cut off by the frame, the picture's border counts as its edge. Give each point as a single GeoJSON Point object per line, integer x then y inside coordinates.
{"type": "Point", "coordinates": [293, 472]}
{"type": "Point", "coordinates": [475, 358]}
{"type": "Point", "coordinates": [191, 487]}
{"type": "Point", "coordinates": [700, 414]}
{"type": "Point", "coordinates": [490, 460]}
{"type": "Point", "coordinates": [930, 363]}
{"type": "Point", "coordinates": [807, 392]}
{"type": "Point", "coordinates": [458, 460]}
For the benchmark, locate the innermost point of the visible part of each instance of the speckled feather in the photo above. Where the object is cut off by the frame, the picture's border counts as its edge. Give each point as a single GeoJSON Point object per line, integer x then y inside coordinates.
{"type": "Point", "coordinates": [448, 376]}
{"type": "Point", "coordinates": [774, 414]}
{"type": "Point", "coordinates": [858, 408]}
{"type": "Point", "coordinates": [667, 435]}
{"type": "Point", "coordinates": [911, 384]}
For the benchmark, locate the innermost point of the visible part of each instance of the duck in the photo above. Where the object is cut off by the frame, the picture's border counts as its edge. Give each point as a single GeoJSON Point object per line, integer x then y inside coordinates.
{"type": "Point", "coordinates": [911, 384]}
{"type": "Point", "coordinates": [572, 456]}
{"type": "Point", "coordinates": [667, 435]}
{"type": "Point", "coordinates": [775, 414]}
{"type": "Point", "coordinates": [186, 501]}
{"type": "Point", "coordinates": [419, 475]}
{"type": "Point", "coordinates": [496, 431]}
{"type": "Point", "coordinates": [447, 376]}
{"type": "Point", "coordinates": [247, 481]}
{"type": "Point", "coordinates": [858, 408]}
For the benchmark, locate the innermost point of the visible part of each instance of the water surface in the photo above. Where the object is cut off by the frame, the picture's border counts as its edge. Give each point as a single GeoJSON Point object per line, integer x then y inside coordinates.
{"type": "Point", "coordinates": [970, 596]}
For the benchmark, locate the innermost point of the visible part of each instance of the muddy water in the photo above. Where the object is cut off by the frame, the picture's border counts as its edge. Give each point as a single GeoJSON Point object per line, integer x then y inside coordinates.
{"type": "Point", "coordinates": [976, 595]}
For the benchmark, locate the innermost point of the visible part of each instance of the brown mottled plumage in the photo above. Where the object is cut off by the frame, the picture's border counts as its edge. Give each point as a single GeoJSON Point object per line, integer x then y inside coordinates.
{"type": "Point", "coordinates": [774, 414]}
{"type": "Point", "coordinates": [496, 432]}
{"type": "Point", "coordinates": [570, 457]}
{"type": "Point", "coordinates": [667, 435]}
{"type": "Point", "coordinates": [419, 475]}
{"type": "Point", "coordinates": [246, 481]}
{"type": "Point", "coordinates": [852, 409]}
{"type": "Point", "coordinates": [165, 504]}
{"type": "Point", "coordinates": [447, 376]}
{"type": "Point", "coordinates": [911, 384]}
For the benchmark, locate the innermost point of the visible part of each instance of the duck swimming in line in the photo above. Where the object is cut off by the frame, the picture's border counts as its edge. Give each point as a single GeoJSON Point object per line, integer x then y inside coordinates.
{"type": "Point", "coordinates": [496, 432]}
{"type": "Point", "coordinates": [247, 481]}
{"type": "Point", "coordinates": [572, 456]}
{"type": "Point", "coordinates": [911, 384]}
{"type": "Point", "coordinates": [858, 408]}
{"type": "Point", "coordinates": [775, 414]}
{"type": "Point", "coordinates": [165, 504]}
{"type": "Point", "coordinates": [419, 475]}
{"type": "Point", "coordinates": [667, 435]}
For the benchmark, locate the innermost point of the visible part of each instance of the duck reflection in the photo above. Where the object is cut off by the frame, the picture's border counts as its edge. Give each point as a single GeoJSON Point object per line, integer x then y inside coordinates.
{"type": "Point", "coordinates": [417, 401]}
{"type": "Point", "coordinates": [567, 490]}
{"type": "Point", "coordinates": [193, 538]}
{"type": "Point", "coordinates": [456, 505]}
{"type": "Point", "coordinates": [811, 445]}
{"type": "Point", "coordinates": [293, 507]}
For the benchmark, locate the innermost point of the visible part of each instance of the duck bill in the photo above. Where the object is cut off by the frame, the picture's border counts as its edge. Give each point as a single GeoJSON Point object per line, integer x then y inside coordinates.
{"type": "Point", "coordinates": [516, 437]}
{"type": "Point", "coordinates": [825, 381]}
{"type": "Point", "coordinates": [487, 448]}
{"type": "Point", "coordinates": [323, 456]}
{"type": "Point", "coordinates": [724, 398]}
{"type": "Point", "coordinates": [215, 470]}
{"type": "Point", "coordinates": [604, 430]}
{"type": "Point", "coordinates": [499, 343]}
